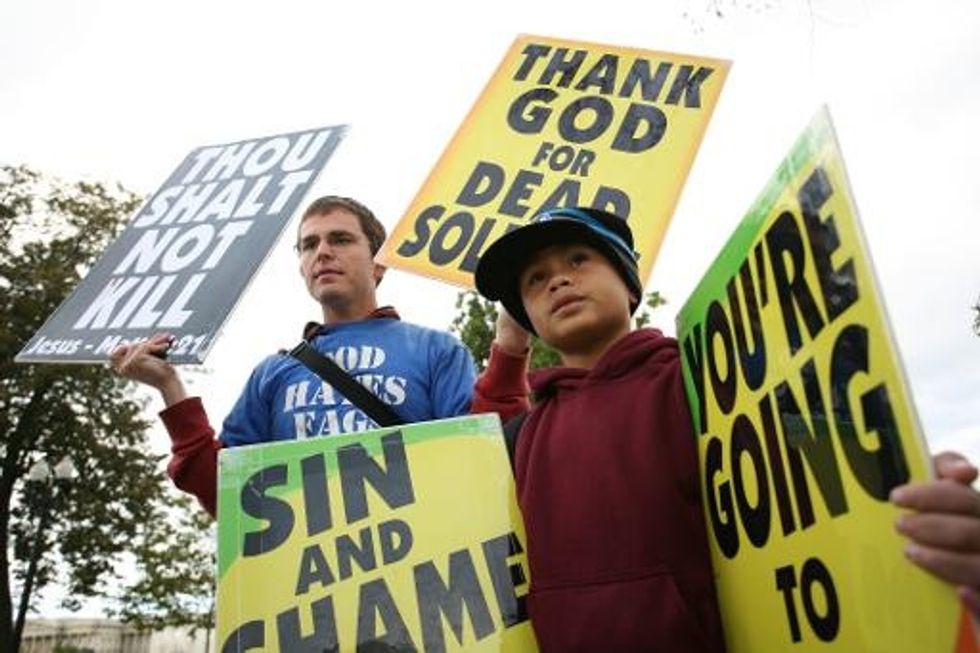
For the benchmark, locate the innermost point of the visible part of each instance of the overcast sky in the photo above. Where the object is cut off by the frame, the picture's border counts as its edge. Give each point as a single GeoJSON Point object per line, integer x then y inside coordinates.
{"type": "Point", "coordinates": [123, 90]}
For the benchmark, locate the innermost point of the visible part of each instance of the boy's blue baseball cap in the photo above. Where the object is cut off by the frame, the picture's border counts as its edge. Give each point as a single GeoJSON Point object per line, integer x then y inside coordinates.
{"type": "Point", "coordinates": [499, 269]}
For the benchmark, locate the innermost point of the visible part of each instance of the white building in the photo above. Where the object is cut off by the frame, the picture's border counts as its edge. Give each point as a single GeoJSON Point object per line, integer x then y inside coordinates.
{"type": "Point", "coordinates": [107, 636]}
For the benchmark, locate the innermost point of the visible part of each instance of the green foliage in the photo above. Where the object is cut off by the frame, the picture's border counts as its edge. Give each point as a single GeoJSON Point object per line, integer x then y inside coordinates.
{"type": "Point", "coordinates": [644, 313]}
{"type": "Point", "coordinates": [50, 234]}
{"type": "Point", "coordinates": [474, 324]}
{"type": "Point", "coordinates": [476, 317]}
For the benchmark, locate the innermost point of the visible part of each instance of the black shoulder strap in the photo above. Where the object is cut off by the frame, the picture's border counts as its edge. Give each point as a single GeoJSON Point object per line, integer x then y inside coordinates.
{"type": "Point", "coordinates": [511, 430]}
{"type": "Point", "coordinates": [329, 371]}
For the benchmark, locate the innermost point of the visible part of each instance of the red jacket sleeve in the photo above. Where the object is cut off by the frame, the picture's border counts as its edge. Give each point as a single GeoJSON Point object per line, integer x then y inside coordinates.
{"type": "Point", "coordinates": [502, 387]}
{"type": "Point", "coordinates": [193, 466]}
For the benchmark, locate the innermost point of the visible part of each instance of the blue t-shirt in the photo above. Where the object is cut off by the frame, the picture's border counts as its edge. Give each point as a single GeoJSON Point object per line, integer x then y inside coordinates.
{"type": "Point", "coordinates": [423, 374]}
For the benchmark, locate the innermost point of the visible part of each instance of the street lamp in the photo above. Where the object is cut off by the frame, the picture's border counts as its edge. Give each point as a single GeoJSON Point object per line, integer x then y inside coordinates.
{"type": "Point", "coordinates": [40, 472]}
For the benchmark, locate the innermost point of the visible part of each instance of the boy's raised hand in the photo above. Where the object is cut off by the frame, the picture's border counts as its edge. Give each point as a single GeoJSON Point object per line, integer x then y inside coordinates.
{"type": "Point", "coordinates": [510, 336]}
{"type": "Point", "coordinates": [943, 530]}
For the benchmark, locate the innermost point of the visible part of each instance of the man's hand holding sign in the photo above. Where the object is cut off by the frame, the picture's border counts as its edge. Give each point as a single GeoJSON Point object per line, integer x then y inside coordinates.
{"type": "Point", "coordinates": [147, 363]}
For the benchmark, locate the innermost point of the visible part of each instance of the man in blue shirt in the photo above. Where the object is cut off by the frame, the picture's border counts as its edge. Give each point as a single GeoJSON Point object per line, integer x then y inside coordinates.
{"type": "Point", "coordinates": [421, 373]}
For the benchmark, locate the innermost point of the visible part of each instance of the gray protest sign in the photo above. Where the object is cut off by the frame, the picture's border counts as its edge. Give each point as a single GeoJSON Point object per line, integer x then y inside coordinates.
{"type": "Point", "coordinates": [189, 252]}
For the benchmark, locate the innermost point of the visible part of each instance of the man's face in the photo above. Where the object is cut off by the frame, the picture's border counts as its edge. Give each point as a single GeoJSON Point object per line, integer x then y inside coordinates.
{"type": "Point", "coordinates": [335, 259]}
{"type": "Point", "coordinates": [574, 297]}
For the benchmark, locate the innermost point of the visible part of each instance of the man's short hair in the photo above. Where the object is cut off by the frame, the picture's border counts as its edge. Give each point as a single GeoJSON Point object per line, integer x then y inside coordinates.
{"type": "Point", "coordinates": [370, 225]}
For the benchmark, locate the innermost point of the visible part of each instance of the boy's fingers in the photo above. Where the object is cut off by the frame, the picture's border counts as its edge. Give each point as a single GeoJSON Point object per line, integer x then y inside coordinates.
{"type": "Point", "coordinates": [938, 496]}
{"type": "Point", "coordinates": [951, 532]}
{"type": "Point", "coordinates": [953, 466]}
{"type": "Point", "coordinates": [953, 567]}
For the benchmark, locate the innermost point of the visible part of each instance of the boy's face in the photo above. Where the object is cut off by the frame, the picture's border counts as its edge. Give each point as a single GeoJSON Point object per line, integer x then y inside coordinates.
{"type": "Point", "coordinates": [335, 258]}
{"type": "Point", "coordinates": [574, 297]}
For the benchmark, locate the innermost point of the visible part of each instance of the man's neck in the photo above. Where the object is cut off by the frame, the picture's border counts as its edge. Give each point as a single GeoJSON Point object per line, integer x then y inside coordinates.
{"type": "Point", "coordinates": [348, 313]}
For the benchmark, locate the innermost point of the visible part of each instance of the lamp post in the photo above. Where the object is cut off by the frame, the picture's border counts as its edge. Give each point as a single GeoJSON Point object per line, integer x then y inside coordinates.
{"type": "Point", "coordinates": [40, 472]}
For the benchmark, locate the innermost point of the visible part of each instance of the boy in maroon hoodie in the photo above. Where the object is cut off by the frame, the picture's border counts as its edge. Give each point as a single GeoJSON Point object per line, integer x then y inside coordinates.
{"type": "Point", "coordinates": [617, 543]}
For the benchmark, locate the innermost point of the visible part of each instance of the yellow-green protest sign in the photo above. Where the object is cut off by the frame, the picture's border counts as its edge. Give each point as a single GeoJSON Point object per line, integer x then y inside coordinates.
{"type": "Point", "coordinates": [804, 424]}
{"type": "Point", "coordinates": [561, 123]}
{"type": "Point", "coordinates": [405, 539]}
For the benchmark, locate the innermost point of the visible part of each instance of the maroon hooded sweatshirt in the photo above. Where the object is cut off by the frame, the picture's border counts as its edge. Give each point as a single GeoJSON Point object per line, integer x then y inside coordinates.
{"type": "Point", "coordinates": [608, 484]}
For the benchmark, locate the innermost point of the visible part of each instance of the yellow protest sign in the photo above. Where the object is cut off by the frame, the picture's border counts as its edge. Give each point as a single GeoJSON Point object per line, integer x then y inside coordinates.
{"type": "Point", "coordinates": [804, 424]}
{"type": "Point", "coordinates": [561, 123]}
{"type": "Point", "coordinates": [407, 537]}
